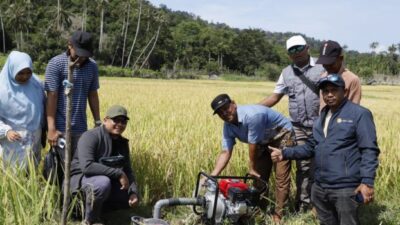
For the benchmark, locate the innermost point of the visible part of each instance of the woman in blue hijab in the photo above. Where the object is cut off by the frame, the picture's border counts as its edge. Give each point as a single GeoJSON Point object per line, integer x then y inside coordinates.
{"type": "Point", "coordinates": [21, 111]}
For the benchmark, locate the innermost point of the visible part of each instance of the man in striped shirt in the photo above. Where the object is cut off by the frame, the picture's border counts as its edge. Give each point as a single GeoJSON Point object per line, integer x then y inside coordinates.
{"type": "Point", "coordinates": [85, 85]}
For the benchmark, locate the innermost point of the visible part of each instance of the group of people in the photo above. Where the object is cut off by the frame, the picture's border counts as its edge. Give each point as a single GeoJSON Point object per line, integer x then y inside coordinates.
{"type": "Point", "coordinates": [32, 112]}
{"type": "Point", "coordinates": [331, 137]}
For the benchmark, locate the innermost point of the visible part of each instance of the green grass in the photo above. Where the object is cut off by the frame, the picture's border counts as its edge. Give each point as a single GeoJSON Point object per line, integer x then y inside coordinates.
{"type": "Point", "coordinates": [173, 136]}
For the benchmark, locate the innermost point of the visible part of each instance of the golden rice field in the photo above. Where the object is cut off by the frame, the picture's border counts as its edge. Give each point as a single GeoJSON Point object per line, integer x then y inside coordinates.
{"type": "Point", "coordinates": [173, 135]}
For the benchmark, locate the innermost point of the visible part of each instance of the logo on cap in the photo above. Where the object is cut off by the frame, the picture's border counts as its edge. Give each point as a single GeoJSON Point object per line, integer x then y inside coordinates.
{"type": "Point", "coordinates": [324, 50]}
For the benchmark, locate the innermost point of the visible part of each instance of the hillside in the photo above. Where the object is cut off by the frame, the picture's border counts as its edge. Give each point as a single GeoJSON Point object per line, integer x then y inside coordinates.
{"type": "Point", "coordinates": [136, 35]}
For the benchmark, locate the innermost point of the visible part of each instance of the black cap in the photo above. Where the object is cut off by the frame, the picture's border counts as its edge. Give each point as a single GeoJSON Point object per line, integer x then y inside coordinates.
{"type": "Point", "coordinates": [82, 43]}
{"type": "Point", "coordinates": [333, 78]}
{"type": "Point", "coordinates": [220, 101]}
{"type": "Point", "coordinates": [328, 52]}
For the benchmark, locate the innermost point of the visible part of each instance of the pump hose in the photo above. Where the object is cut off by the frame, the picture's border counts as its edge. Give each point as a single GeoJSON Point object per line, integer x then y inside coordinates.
{"type": "Point", "coordinates": [174, 202]}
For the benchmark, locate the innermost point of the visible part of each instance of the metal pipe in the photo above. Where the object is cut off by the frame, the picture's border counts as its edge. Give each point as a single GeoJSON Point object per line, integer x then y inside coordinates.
{"type": "Point", "coordinates": [174, 202]}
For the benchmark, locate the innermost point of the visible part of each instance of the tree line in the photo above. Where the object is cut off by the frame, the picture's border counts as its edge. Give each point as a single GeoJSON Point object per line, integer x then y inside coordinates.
{"type": "Point", "coordinates": [134, 35]}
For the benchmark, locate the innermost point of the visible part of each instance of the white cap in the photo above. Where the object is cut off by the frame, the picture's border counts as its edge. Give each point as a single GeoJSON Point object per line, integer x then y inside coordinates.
{"type": "Point", "coordinates": [295, 40]}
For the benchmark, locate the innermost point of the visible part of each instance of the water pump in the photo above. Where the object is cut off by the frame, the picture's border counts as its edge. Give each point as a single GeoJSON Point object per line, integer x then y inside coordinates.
{"type": "Point", "coordinates": [220, 198]}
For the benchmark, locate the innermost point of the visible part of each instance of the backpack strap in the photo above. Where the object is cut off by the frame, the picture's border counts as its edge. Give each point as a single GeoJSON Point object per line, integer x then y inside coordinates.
{"type": "Point", "coordinates": [305, 80]}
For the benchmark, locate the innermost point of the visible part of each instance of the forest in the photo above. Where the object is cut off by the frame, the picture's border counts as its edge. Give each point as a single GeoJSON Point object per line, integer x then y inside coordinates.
{"type": "Point", "coordinates": [136, 38]}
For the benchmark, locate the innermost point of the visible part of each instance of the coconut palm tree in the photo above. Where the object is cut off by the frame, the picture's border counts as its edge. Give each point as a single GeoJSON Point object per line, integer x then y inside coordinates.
{"type": "Point", "coordinates": [374, 45]}
{"type": "Point", "coordinates": [101, 6]}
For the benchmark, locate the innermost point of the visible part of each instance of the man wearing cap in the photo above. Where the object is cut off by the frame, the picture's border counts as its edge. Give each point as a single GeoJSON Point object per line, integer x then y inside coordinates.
{"type": "Point", "coordinates": [258, 126]}
{"type": "Point", "coordinates": [345, 150]}
{"type": "Point", "coordinates": [298, 82]}
{"type": "Point", "coordinates": [101, 168]}
{"type": "Point", "coordinates": [331, 56]}
{"type": "Point", "coordinates": [85, 81]}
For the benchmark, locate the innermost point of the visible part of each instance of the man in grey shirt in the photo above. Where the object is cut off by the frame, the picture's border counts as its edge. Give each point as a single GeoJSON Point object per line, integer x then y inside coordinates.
{"type": "Point", "coordinates": [298, 81]}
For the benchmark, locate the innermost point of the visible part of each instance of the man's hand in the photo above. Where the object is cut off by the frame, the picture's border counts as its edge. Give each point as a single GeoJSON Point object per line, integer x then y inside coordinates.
{"type": "Point", "coordinates": [133, 200]}
{"type": "Point", "coordinates": [13, 136]}
{"type": "Point", "coordinates": [253, 160]}
{"type": "Point", "coordinates": [254, 173]}
{"type": "Point", "coordinates": [366, 191]}
{"type": "Point", "coordinates": [123, 180]}
{"type": "Point", "coordinates": [203, 181]}
{"type": "Point", "coordinates": [52, 137]}
{"type": "Point", "coordinates": [276, 154]}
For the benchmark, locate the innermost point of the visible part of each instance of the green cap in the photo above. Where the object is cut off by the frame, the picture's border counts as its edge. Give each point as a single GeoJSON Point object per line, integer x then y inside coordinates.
{"type": "Point", "coordinates": [117, 110]}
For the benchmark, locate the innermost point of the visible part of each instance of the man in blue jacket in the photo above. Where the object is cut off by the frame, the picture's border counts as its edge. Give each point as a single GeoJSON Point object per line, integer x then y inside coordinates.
{"type": "Point", "coordinates": [345, 151]}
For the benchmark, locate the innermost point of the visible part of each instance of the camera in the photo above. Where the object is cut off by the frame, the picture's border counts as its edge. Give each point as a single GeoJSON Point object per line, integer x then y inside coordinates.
{"type": "Point", "coordinates": [61, 142]}
{"type": "Point", "coordinates": [359, 198]}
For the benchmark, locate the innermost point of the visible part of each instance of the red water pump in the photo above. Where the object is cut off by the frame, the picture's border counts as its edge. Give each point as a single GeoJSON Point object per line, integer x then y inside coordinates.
{"type": "Point", "coordinates": [234, 189]}
{"type": "Point", "coordinates": [220, 198]}
{"type": "Point", "coordinates": [229, 197]}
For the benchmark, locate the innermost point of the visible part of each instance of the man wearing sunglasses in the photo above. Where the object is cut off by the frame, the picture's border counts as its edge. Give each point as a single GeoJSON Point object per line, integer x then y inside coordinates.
{"type": "Point", "coordinates": [258, 126]}
{"type": "Point", "coordinates": [332, 58]}
{"type": "Point", "coordinates": [298, 81]}
{"type": "Point", "coordinates": [101, 167]}
{"type": "Point", "coordinates": [344, 146]}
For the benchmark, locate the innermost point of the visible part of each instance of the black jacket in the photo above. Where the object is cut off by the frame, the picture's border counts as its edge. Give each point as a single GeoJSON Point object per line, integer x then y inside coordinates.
{"type": "Point", "coordinates": [93, 145]}
{"type": "Point", "coordinates": [348, 155]}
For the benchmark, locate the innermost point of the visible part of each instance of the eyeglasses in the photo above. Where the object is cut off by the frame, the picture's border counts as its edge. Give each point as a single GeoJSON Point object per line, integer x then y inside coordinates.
{"type": "Point", "coordinates": [296, 49]}
{"type": "Point", "coordinates": [119, 120]}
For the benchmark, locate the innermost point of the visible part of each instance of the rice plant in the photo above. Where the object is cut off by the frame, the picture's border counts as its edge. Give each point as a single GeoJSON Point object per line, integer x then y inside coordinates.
{"type": "Point", "coordinates": [173, 136]}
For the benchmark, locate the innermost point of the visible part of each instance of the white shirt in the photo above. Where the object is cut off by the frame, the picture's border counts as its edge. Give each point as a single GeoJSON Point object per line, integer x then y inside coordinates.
{"type": "Point", "coordinates": [327, 119]}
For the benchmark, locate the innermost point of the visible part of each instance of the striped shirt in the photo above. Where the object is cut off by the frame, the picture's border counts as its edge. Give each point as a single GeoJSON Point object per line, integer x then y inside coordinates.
{"type": "Point", "coordinates": [85, 80]}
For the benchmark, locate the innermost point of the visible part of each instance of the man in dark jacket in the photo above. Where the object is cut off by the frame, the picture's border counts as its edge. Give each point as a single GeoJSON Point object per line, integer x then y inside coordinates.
{"type": "Point", "coordinates": [345, 151]}
{"type": "Point", "coordinates": [101, 167]}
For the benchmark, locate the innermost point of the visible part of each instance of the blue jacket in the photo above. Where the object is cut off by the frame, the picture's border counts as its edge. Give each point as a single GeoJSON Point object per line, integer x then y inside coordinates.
{"type": "Point", "coordinates": [348, 155]}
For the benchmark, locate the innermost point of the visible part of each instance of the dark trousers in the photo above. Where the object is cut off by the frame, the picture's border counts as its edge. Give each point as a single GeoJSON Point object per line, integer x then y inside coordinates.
{"type": "Point", "coordinates": [100, 191]}
{"type": "Point", "coordinates": [282, 169]}
{"type": "Point", "coordinates": [304, 172]}
{"type": "Point", "coordinates": [335, 206]}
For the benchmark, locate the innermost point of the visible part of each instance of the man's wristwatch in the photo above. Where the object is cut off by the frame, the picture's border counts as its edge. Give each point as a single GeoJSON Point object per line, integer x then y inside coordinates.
{"type": "Point", "coordinates": [97, 123]}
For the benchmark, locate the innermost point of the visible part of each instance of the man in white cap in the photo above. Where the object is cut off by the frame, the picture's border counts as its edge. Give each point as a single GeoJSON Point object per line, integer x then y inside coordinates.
{"type": "Point", "coordinates": [298, 81]}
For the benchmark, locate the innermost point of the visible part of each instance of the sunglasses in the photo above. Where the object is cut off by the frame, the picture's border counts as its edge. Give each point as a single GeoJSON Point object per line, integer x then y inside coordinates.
{"type": "Point", "coordinates": [119, 120]}
{"type": "Point", "coordinates": [330, 77]}
{"type": "Point", "coordinates": [296, 49]}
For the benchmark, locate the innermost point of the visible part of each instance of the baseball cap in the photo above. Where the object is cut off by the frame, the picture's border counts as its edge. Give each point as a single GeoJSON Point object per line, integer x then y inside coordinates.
{"type": "Point", "coordinates": [328, 52]}
{"type": "Point", "coordinates": [294, 41]}
{"type": "Point", "coordinates": [333, 78]}
{"type": "Point", "coordinates": [220, 101]}
{"type": "Point", "coordinates": [117, 110]}
{"type": "Point", "coordinates": [82, 43]}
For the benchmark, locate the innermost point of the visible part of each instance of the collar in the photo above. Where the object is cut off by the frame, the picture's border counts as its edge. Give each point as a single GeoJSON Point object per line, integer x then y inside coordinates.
{"type": "Point", "coordinates": [240, 114]}
{"type": "Point", "coordinates": [311, 62]}
{"type": "Point", "coordinates": [342, 69]}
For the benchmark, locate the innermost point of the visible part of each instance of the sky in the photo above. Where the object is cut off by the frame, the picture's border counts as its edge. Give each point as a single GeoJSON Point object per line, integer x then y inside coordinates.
{"type": "Point", "coordinates": [355, 23]}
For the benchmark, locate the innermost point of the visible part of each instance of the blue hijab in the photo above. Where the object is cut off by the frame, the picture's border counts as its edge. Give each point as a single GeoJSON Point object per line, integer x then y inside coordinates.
{"type": "Point", "coordinates": [21, 105]}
